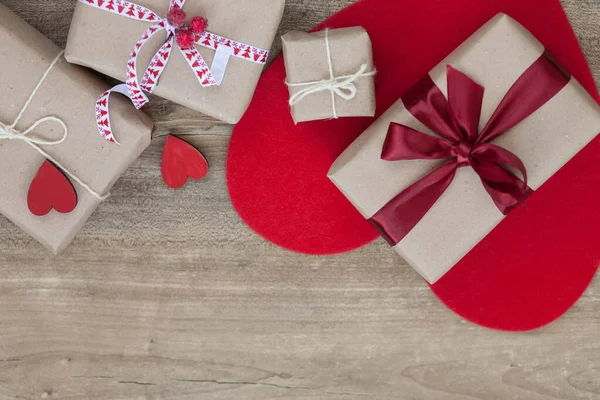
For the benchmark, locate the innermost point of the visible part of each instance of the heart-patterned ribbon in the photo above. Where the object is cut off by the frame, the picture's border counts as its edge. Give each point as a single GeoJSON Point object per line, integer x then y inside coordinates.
{"type": "Point", "coordinates": [456, 122]}
{"type": "Point", "coordinates": [207, 77]}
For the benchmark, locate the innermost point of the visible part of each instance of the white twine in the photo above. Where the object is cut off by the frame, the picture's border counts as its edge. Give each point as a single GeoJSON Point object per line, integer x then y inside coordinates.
{"type": "Point", "coordinates": [342, 86]}
{"type": "Point", "coordinates": [9, 132]}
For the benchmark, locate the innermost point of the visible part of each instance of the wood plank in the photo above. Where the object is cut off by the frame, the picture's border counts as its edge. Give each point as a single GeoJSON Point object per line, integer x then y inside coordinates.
{"type": "Point", "coordinates": [169, 295]}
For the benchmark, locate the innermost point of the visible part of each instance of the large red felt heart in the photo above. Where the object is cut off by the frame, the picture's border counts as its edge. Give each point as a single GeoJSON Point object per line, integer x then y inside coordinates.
{"type": "Point", "coordinates": [51, 189]}
{"type": "Point", "coordinates": [181, 161]}
{"type": "Point", "coordinates": [529, 271]}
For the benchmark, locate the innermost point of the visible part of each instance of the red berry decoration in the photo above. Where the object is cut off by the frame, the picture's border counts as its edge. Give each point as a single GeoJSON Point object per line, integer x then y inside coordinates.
{"type": "Point", "coordinates": [176, 17]}
{"type": "Point", "coordinates": [199, 25]}
{"type": "Point", "coordinates": [185, 38]}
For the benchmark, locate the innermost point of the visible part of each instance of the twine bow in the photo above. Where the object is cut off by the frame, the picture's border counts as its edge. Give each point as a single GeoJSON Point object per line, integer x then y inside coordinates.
{"type": "Point", "coordinates": [8, 132]}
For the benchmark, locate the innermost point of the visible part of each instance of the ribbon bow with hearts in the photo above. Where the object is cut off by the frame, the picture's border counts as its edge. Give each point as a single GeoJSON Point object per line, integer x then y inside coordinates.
{"type": "Point", "coordinates": [178, 34]}
{"type": "Point", "coordinates": [456, 122]}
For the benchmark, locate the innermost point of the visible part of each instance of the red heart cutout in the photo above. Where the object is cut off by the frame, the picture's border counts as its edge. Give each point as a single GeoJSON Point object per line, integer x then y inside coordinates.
{"type": "Point", "coordinates": [51, 189]}
{"type": "Point", "coordinates": [181, 161]}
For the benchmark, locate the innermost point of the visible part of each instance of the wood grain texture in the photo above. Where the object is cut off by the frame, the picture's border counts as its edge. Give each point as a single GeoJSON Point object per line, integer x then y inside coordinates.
{"type": "Point", "coordinates": [168, 295]}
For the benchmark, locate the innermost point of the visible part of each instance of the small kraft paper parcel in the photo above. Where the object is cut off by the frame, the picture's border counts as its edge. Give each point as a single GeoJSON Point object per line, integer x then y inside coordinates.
{"type": "Point", "coordinates": [330, 74]}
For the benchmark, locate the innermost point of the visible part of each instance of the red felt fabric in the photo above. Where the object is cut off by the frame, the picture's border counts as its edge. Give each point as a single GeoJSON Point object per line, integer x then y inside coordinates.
{"type": "Point", "coordinates": [528, 271]}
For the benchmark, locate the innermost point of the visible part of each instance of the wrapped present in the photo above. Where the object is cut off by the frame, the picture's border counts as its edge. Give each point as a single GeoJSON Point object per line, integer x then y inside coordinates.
{"type": "Point", "coordinates": [55, 167]}
{"type": "Point", "coordinates": [211, 60]}
{"type": "Point", "coordinates": [466, 146]}
{"type": "Point", "coordinates": [330, 74]}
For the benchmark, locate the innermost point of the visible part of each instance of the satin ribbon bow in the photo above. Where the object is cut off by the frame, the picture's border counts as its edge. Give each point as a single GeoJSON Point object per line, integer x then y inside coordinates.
{"type": "Point", "coordinates": [207, 77]}
{"type": "Point", "coordinates": [456, 121]}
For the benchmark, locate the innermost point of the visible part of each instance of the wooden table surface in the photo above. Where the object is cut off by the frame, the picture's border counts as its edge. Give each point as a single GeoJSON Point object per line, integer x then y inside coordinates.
{"type": "Point", "coordinates": [170, 296]}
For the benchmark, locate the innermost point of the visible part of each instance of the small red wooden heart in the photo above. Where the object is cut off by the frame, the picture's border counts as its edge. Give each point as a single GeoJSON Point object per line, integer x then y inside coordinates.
{"type": "Point", "coordinates": [51, 189]}
{"type": "Point", "coordinates": [181, 161]}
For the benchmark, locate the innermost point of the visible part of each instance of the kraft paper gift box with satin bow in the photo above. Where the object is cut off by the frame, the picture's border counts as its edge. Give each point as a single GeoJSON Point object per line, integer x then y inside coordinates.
{"type": "Point", "coordinates": [399, 166]}
{"type": "Point", "coordinates": [67, 93]}
{"type": "Point", "coordinates": [308, 65]}
{"type": "Point", "coordinates": [104, 41]}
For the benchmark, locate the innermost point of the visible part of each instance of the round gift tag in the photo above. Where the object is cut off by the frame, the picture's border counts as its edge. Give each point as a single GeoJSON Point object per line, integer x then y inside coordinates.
{"type": "Point", "coordinates": [528, 271]}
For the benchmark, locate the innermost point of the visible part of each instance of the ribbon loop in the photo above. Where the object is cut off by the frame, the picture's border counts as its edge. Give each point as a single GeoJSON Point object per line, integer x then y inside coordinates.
{"type": "Point", "coordinates": [405, 143]}
{"type": "Point", "coordinates": [456, 120]}
{"type": "Point", "coordinates": [465, 98]}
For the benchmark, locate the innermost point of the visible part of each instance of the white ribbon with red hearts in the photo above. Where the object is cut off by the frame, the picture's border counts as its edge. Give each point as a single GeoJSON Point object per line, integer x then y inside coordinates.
{"type": "Point", "coordinates": [134, 88]}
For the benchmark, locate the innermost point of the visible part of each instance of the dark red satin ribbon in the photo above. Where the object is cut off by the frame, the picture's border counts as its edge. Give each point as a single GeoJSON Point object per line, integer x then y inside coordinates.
{"type": "Point", "coordinates": [456, 121]}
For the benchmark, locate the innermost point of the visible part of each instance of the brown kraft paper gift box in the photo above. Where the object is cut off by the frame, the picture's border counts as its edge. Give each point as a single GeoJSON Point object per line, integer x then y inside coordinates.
{"type": "Point", "coordinates": [69, 93]}
{"type": "Point", "coordinates": [103, 41]}
{"type": "Point", "coordinates": [495, 57]}
{"type": "Point", "coordinates": [305, 56]}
